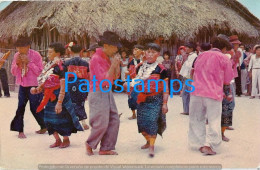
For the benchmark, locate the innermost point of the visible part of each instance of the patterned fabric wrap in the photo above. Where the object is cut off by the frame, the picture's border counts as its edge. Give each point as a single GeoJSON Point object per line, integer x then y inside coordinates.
{"type": "Point", "coordinates": [150, 118]}
{"type": "Point", "coordinates": [142, 96]}
{"type": "Point", "coordinates": [65, 122]}
{"type": "Point", "coordinates": [52, 83]}
{"type": "Point", "coordinates": [228, 107]}
{"type": "Point", "coordinates": [152, 84]}
{"type": "Point", "coordinates": [80, 71]}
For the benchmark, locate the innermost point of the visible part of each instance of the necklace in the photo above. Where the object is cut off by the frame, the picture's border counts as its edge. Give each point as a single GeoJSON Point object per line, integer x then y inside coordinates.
{"type": "Point", "coordinates": [144, 72]}
{"type": "Point", "coordinates": [48, 70]}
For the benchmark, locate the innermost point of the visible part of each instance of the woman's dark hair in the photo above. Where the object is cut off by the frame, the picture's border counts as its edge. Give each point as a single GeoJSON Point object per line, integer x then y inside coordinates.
{"type": "Point", "coordinates": [139, 46]}
{"type": "Point", "coordinates": [220, 43]}
{"type": "Point", "coordinates": [76, 48]}
{"type": "Point", "coordinates": [58, 48]}
{"type": "Point", "coordinates": [248, 48]}
{"type": "Point", "coordinates": [121, 52]}
{"type": "Point", "coordinates": [191, 45]}
{"type": "Point", "coordinates": [153, 46]}
{"type": "Point", "coordinates": [205, 46]}
{"type": "Point", "coordinates": [166, 53]}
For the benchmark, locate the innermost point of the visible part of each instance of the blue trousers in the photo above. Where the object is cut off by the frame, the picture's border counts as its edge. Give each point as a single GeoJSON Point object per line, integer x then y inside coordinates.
{"type": "Point", "coordinates": [4, 81]}
{"type": "Point", "coordinates": [185, 99]}
{"type": "Point", "coordinates": [17, 123]}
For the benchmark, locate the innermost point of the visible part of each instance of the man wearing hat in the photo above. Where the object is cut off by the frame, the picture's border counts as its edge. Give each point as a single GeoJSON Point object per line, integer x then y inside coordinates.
{"type": "Point", "coordinates": [26, 67]}
{"type": "Point", "coordinates": [92, 49]}
{"type": "Point", "coordinates": [237, 59]}
{"type": "Point", "coordinates": [104, 119]}
{"type": "Point", "coordinates": [212, 71]}
{"type": "Point", "coordinates": [185, 72]}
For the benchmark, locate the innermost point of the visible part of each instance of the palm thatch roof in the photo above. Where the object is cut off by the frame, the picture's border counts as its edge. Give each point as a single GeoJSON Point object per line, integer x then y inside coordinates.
{"type": "Point", "coordinates": [130, 19]}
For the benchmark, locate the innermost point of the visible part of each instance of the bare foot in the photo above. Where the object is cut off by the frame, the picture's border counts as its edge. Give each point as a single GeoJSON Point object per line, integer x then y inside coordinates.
{"type": "Point", "coordinates": [89, 150]}
{"type": "Point", "coordinates": [224, 138]}
{"type": "Point", "coordinates": [151, 151]}
{"type": "Point", "coordinates": [41, 131]}
{"type": "Point", "coordinates": [65, 143]}
{"type": "Point", "coordinates": [86, 127]}
{"type": "Point", "coordinates": [21, 135]}
{"type": "Point", "coordinates": [132, 117]}
{"type": "Point", "coordinates": [146, 146]}
{"type": "Point", "coordinates": [56, 144]}
{"type": "Point", "coordinates": [207, 150]}
{"type": "Point", "coordinates": [230, 128]}
{"type": "Point", "coordinates": [108, 153]}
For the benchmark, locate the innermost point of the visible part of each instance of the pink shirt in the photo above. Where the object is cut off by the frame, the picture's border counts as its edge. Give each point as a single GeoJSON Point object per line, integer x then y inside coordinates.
{"type": "Point", "coordinates": [212, 70]}
{"type": "Point", "coordinates": [99, 66]}
{"type": "Point", "coordinates": [35, 68]}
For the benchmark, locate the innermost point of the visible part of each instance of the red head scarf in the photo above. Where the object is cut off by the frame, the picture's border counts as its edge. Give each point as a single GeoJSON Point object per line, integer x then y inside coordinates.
{"type": "Point", "coordinates": [179, 50]}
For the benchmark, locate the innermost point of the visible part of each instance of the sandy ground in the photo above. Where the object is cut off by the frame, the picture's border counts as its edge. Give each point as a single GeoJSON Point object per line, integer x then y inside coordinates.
{"type": "Point", "coordinates": [241, 152]}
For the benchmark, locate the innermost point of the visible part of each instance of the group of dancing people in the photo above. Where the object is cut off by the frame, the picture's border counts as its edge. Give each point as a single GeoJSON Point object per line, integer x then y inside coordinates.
{"type": "Point", "coordinates": [63, 113]}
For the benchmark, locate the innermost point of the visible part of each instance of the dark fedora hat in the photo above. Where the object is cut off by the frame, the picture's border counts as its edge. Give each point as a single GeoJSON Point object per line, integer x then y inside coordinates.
{"type": "Point", "coordinates": [93, 47]}
{"type": "Point", "coordinates": [22, 41]}
{"type": "Point", "coordinates": [110, 38]}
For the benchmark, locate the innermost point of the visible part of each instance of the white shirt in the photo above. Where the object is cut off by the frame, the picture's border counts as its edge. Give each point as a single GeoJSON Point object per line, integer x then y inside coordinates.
{"type": "Point", "coordinates": [254, 62]}
{"type": "Point", "coordinates": [125, 62]}
{"type": "Point", "coordinates": [241, 59]}
{"type": "Point", "coordinates": [179, 58]}
{"type": "Point", "coordinates": [160, 59]}
{"type": "Point", "coordinates": [187, 66]}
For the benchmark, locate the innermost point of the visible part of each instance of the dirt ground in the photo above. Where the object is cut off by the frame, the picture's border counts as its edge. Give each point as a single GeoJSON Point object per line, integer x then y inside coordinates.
{"type": "Point", "coordinates": [242, 151]}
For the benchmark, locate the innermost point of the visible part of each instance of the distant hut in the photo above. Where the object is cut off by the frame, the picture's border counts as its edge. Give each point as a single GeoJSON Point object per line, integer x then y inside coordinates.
{"type": "Point", "coordinates": [170, 22]}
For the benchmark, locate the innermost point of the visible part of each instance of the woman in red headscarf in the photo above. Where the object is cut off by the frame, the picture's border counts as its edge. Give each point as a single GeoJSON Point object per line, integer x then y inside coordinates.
{"type": "Point", "coordinates": [179, 60]}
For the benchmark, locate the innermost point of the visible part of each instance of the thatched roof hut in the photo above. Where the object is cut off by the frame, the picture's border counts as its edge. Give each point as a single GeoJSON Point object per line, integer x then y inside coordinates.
{"type": "Point", "coordinates": [170, 22]}
{"type": "Point", "coordinates": [132, 20]}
